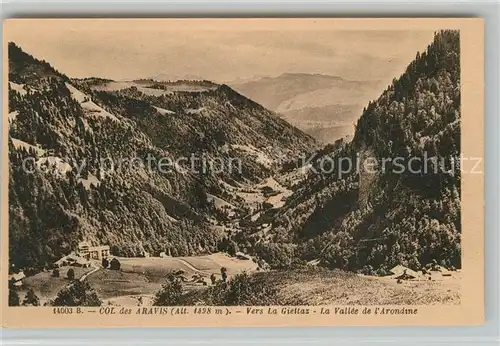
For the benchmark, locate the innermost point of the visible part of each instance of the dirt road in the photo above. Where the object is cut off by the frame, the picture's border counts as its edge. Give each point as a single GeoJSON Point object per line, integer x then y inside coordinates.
{"type": "Point", "coordinates": [84, 276]}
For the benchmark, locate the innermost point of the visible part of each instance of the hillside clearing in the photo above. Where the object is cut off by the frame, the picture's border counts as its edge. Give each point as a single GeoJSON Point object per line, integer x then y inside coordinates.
{"type": "Point", "coordinates": [155, 269]}
{"type": "Point", "coordinates": [114, 283]}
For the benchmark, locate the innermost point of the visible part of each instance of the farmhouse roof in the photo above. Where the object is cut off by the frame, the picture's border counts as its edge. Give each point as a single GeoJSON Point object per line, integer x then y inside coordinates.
{"type": "Point", "coordinates": [60, 261]}
{"type": "Point", "coordinates": [81, 260]}
{"type": "Point", "coordinates": [242, 255]}
{"type": "Point", "coordinates": [83, 243]}
{"type": "Point", "coordinates": [73, 258]}
{"type": "Point", "coordinates": [17, 276]}
{"type": "Point", "coordinates": [401, 270]}
{"type": "Point", "coordinates": [441, 269]}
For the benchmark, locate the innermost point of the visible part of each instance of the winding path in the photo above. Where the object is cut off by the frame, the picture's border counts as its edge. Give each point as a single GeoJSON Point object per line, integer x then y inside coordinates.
{"type": "Point", "coordinates": [193, 268]}
{"type": "Point", "coordinates": [84, 276]}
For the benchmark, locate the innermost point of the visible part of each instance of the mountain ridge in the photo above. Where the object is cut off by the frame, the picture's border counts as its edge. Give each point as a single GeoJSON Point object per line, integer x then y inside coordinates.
{"type": "Point", "coordinates": [65, 128]}
{"type": "Point", "coordinates": [290, 93]}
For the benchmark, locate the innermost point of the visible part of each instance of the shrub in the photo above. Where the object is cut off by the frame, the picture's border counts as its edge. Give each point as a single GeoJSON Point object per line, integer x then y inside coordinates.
{"type": "Point", "coordinates": [114, 264]}
{"type": "Point", "coordinates": [278, 256]}
{"type": "Point", "coordinates": [55, 273]}
{"type": "Point", "coordinates": [71, 274]}
{"type": "Point", "coordinates": [243, 289]}
{"type": "Point", "coordinates": [170, 293]}
{"type": "Point", "coordinates": [77, 294]}
{"type": "Point", "coordinates": [223, 273]}
{"type": "Point", "coordinates": [267, 205]}
{"type": "Point", "coordinates": [13, 296]}
{"type": "Point", "coordinates": [31, 299]}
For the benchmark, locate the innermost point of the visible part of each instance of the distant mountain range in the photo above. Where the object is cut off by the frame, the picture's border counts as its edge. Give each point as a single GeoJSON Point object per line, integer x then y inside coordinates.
{"type": "Point", "coordinates": [326, 107]}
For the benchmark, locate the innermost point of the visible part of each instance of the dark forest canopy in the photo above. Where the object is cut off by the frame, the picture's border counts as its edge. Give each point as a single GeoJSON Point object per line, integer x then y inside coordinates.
{"type": "Point", "coordinates": [375, 221]}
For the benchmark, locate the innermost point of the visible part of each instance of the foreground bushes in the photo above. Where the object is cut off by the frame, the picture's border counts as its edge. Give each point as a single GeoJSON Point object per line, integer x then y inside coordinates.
{"type": "Point", "coordinates": [77, 294]}
{"type": "Point", "coordinates": [242, 289]}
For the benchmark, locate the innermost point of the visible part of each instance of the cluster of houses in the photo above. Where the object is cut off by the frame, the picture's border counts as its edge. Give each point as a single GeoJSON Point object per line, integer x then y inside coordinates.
{"type": "Point", "coordinates": [83, 254]}
{"type": "Point", "coordinates": [81, 257]}
{"type": "Point", "coordinates": [196, 278]}
{"type": "Point", "coordinates": [72, 260]}
{"type": "Point", "coordinates": [163, 254]}
{"type": "Point", "coordinates": [400, 272]}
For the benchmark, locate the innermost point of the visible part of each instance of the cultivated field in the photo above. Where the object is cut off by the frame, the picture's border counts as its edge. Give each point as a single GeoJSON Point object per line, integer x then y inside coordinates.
{"type": "Point", "coordinates": [111, 284]}
{"type": "Point", "coordinates": [156, 269]}
{"type": "Point", "coordinates": [141, 278]}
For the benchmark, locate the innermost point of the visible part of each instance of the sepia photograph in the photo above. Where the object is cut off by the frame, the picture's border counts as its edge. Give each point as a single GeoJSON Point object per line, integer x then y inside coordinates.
{"type": "Point", "coordinates": [285, 167]}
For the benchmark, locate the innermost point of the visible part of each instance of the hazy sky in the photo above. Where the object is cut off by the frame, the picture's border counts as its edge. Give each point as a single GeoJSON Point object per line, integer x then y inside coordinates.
{"type": "Point", "coordinates": [218, 51]}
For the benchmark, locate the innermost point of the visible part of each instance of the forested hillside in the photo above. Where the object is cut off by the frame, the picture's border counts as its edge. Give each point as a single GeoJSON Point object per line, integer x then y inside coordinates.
{"type": "Point", "coordinates": [61, 130]}
{"type": "Point", "coordinates": [215, 122]}
{"type": "Point", "coordinates": [337, 214]}
{"type": "Point", "coordinates": [368, 220]}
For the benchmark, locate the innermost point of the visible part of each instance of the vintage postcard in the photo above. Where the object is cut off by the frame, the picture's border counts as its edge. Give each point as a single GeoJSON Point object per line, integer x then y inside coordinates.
{"type": "Point", "coordinates": [242, 172]}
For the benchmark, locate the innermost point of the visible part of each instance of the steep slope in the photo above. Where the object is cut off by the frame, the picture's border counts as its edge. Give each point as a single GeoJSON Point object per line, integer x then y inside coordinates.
{"type": "Point", "coordinates": [240, 140]}
{"type": "Point", "coordinates": [206, 119]}
{"type": "Point", "coordinates": [77, 163]}
{"type": "Point", "coordinates": [375, 217]}
{"type": "Point", "coordinates": [323, 106]}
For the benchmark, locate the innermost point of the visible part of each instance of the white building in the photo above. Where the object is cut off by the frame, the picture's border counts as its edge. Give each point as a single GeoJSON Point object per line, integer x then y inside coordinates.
{"type": "Point", "coordinates": [92, 252]}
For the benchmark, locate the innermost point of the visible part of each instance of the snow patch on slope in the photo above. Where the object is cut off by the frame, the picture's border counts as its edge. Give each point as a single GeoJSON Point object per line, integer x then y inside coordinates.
{"type": "Point", "coordinates": [18, 144]}
{"type": "Point", "coordinates": [87, 104]}
{"type": "Point", "coordinates": [195, 111]}
{"type": "Point", "coordinates": [18, 87]}
{"type": "Point", "coordinates": [91, 180]}
{"type": "Point", "coordinates": [60, 166]}
{"type": "Point", "coordinates": [259, 156]}
{"type": "Point", "coordinates": [13, 115]}
{"type": "Point", "coordinates": [163, 111]}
